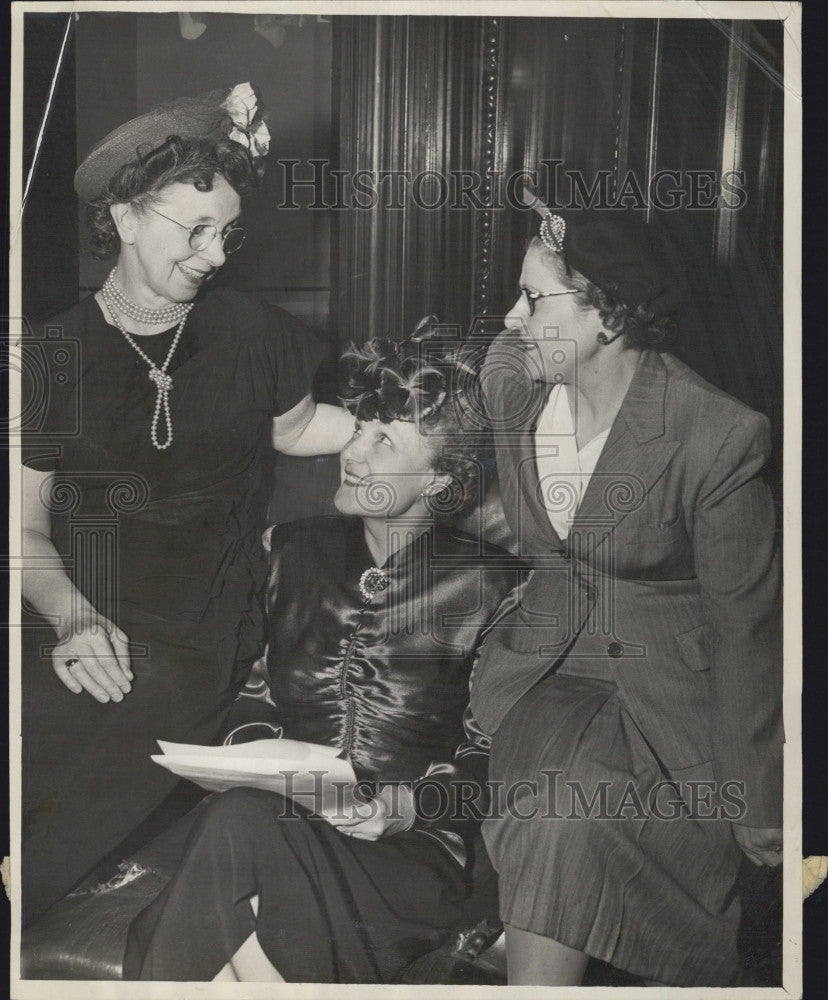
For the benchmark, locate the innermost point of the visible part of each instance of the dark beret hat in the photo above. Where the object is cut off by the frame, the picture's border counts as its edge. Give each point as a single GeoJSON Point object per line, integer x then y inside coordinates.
{"type": "Point", "coordinates": [621, 254]}
{"type": "Point", "coordinates": [189, 117]}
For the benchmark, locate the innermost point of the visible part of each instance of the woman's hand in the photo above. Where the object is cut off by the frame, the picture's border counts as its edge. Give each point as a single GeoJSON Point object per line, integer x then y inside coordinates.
{"type": "Point", "coordinates": [390, 811]}
{"type": "Point", "coordinates": [762, 845]}
{"type": "Point", "coordinates": [92, 655]}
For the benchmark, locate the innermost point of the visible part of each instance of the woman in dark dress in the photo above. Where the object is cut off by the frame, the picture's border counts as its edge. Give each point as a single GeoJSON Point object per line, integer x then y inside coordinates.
{"type": "Point", "coordinates": [143, 496]}
{"type": "Point", "coordinates": [374, 620]}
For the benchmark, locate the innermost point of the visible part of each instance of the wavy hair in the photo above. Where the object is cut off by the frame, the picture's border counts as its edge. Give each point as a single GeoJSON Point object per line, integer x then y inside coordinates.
{"type": "Point", "coordinates": [640, 327]}
{"type": "Point", "coordinates": [176, 161]}
{"type": "Point", "coordinates": [430, 384]}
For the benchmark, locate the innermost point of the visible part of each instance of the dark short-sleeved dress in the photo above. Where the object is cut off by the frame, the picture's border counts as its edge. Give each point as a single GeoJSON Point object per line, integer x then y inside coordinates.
{"type": "Point", "coordinates": [165, 543]}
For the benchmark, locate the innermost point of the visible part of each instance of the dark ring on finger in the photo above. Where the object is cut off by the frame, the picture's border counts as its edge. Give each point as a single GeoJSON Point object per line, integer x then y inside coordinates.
{"type": "Point", "coordinates": [72, 661]}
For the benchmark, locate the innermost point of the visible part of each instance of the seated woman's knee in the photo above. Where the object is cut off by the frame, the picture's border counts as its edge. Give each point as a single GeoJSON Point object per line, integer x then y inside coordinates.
{"type": "Point", "coordinates": [234, 809]}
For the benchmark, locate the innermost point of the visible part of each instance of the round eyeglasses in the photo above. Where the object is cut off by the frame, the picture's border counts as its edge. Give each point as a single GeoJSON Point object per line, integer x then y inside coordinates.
{"type": "Point", "coordinates": [202, 235]}
{"type": "Point", "coordinates": [532, 297]}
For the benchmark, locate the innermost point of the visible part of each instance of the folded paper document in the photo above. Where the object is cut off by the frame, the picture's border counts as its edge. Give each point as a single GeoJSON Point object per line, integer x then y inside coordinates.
{"type": "Point", "coordinates": [312, 775]}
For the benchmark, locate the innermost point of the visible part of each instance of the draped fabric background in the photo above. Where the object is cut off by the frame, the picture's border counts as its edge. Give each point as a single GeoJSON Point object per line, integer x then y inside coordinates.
{"type": "Point", "coordinates": [631, 98]}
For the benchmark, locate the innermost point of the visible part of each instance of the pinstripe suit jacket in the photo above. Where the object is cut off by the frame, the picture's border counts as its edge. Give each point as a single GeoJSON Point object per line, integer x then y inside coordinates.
{"type": "Point", "coordinates": [668, 581]}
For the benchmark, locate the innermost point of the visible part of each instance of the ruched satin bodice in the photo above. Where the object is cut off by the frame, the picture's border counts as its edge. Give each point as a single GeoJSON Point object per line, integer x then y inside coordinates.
{"type": "Point", "coordinates": [385, 679]}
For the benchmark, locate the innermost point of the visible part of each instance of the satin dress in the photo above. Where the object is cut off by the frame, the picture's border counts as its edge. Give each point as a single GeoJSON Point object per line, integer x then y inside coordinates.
{"type": "Point", "coordinates": [385, 679]}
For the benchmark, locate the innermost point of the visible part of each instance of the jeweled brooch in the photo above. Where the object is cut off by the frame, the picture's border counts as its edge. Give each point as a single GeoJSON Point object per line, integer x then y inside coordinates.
{"type": "Point", "coordinates": [372, 581]}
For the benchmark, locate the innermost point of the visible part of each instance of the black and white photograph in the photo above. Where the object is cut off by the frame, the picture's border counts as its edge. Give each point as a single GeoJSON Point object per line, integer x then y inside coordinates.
{"type": "Point", "coordinates": [405, 456]}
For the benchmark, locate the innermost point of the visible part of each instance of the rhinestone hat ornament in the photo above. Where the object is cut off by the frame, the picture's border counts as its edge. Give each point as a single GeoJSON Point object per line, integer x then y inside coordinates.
{"type": "Point", "coordinates": [552, 232]}
{"type": "Point", "coordinates": [552, 227]}
{"type": "Point", "coordinates": [373, 581]}
{"type": "Point", "coordinates": [617, 251]}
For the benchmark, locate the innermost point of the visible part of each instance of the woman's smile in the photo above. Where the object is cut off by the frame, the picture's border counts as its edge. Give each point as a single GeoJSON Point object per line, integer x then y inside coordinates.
{"type": "Point", "coordinates": [158, 266]}
{"type": "Point", "coordinates": [349, 479]}
{"type": "Point", "coordinates": [194, 276]}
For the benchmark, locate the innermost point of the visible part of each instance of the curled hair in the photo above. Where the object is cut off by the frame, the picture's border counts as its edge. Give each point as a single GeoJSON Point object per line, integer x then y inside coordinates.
{"type": "Point", "coordinates": [639, 326]}
{"type": "Point", "coordinates": [177, 161]}
{"type": "Point", "coordinates": [431, 386]}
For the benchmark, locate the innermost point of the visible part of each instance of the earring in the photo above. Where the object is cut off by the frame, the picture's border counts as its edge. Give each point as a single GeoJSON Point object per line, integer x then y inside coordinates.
{"type": "Point", "coordinates": [603, 339]}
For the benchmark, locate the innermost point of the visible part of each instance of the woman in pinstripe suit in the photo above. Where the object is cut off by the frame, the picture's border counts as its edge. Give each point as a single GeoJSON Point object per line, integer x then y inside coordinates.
{"type": "Point", "coordinates": [635, 679]}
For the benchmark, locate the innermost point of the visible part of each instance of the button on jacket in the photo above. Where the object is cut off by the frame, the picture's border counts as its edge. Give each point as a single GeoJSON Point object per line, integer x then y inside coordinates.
{"type": "Point", "coordinates": [669, 581]}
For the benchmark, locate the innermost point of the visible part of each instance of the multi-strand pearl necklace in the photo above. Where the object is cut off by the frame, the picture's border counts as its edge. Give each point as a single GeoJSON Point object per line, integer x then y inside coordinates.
{"type": "Point", "coordinates": [167, 315]}
{"type": "Point", "coordinates": [114, 297]}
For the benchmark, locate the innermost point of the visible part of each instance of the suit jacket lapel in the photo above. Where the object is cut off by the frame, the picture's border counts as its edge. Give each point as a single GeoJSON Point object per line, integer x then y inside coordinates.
{"type": "Point", "coordinates": [634, 456]}
{"type": "Point", "coordinates": [520, 486]}
{"type": "Point", "coordinates": [535, 513]}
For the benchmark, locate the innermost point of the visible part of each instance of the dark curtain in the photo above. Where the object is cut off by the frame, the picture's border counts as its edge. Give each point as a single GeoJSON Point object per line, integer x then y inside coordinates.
{"type": "Point", "coordinates": [49, 225]}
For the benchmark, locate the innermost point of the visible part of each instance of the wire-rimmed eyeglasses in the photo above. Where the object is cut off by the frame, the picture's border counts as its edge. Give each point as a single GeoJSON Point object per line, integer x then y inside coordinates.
{"type": "Point", "coordinates": [532, 297]}
{"type": "Point", "coordinates": [202, 235]}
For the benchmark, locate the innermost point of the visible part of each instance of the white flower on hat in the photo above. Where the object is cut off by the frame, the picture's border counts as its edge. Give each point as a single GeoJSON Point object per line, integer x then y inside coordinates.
{"type": "Point", "coordinates": [260, 137]}
{"type": "Point", "coordinates": [241, 137]}
{"type": "Point", "coordinates": [240, 104]}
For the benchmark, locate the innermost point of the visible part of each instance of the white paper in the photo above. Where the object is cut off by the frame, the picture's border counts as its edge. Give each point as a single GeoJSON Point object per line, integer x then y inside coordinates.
{"type": "Point", "coordinates": [312, 775]}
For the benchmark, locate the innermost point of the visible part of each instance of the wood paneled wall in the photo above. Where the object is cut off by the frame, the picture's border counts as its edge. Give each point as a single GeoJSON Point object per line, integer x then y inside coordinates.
{"type": "Point", "coordinates": [475, 100]}
{"type": "Point", "coordinates": [410, 98]}
{"type": "Point", "coordinates": [628, 97]}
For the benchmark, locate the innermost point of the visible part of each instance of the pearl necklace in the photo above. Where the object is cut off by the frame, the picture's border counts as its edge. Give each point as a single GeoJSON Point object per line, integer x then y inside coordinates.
{"type": "Point", "coordinates": [159, 376]}
{"type": "Point", "coordinates": [168, 315]}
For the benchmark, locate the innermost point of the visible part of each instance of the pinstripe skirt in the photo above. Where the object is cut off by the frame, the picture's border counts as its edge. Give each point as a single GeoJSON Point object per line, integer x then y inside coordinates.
{"type": "Point", "coordinates": [599, 848]}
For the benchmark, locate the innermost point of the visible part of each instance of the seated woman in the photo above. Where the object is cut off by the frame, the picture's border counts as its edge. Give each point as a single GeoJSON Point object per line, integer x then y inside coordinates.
{"type": "Point", "coordinates": [653, 669]}
{"type": "Point", "coordinates": [374, 620]}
